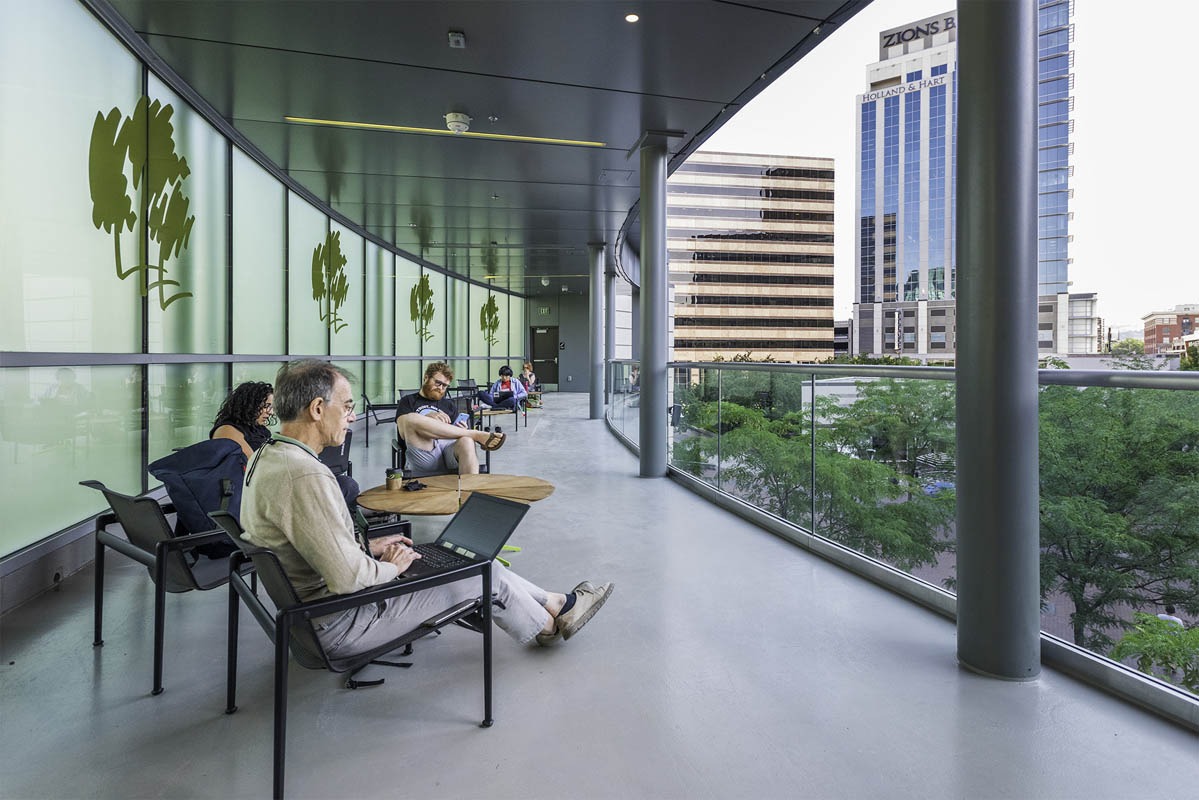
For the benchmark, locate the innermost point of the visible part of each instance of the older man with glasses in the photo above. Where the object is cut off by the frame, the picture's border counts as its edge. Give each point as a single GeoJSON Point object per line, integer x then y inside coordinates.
{"type": "Point", "coordinates": [437, 441]}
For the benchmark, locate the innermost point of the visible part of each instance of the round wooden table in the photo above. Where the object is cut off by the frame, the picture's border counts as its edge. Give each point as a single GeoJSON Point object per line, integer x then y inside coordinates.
{"type": "Point", "coordinates": [443, 494]}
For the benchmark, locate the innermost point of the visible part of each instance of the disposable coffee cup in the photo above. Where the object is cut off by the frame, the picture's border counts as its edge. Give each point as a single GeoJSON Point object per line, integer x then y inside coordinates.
{"type": "Point", "coordinates": [395, 480]}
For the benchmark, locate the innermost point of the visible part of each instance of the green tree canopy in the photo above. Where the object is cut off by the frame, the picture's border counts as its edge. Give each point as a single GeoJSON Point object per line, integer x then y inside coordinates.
{"type": "Point", "coordinates": [1128, 347]}
{"type": "Point", "coordinates": [1119, 485]}
{"type": "Point", "coordinates": [1162, 645]}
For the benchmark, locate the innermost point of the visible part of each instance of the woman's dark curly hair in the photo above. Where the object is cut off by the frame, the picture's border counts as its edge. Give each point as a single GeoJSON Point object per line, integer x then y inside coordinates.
{"type": "Point", "coordinates": [244, 403]}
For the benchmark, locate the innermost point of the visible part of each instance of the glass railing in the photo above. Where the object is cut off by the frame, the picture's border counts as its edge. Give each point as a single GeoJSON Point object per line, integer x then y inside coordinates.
{"type": "Point", "coordinates": [866, 457]}
{"type": "Point", "coordinates": [624, 401]}
{"type": "Point", "coordinates": [867, 462]}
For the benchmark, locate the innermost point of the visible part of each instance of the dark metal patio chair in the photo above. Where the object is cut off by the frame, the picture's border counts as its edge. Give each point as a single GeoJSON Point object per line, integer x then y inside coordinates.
{"type": "Point", "coordinates": [171, 560]}
{"type": "Point", "coordinates": [289, 626]}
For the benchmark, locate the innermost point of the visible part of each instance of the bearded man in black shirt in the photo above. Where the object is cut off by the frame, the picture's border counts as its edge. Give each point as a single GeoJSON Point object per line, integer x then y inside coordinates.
{"type": "Point", "coordinates": [436, 441]}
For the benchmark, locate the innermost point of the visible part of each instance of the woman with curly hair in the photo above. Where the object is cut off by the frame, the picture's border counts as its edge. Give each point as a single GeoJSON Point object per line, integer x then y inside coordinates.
{"type": "Point", "coordinates": [244, 416]}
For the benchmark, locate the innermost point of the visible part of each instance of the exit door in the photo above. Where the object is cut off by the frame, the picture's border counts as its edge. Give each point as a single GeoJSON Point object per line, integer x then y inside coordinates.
{"type": "Point", "coordinates": [545, 352]}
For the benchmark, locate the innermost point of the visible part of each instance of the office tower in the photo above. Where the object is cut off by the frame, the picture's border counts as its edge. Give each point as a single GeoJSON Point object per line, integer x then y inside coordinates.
{"type": "Point", "coordinates": [905, 259]}
{"type": "Point", "coordinates": [750, 240]}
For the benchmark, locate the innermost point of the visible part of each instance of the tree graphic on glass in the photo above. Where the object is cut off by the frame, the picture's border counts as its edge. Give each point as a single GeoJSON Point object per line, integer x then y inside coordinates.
{"type": "Point", "coordinates": [489, 320]}
{"type": "Point", "coordinates": [421, 307]}
{"type": "Point", "coordinates": [145, 144]}
{"type": "Point", "coordinates": [329, 284]}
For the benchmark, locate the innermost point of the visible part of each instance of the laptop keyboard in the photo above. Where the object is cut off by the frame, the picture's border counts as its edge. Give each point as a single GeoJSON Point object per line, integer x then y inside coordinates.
{"type": "Point", "coordinates": [432, 555]}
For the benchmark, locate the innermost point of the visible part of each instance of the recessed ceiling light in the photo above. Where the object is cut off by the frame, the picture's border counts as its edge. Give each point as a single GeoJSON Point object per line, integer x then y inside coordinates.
{"type": "Point", "coordinates": [545, 281]}
{"type": "Point", "coordinates": [493, 118]}
{"type": "Point", "coordinates": [411, 224]}
{"type": "Point", "coordinates": [495, 197]}
{"type": "Point", "coordinates": [631, 17]}
{"type": "Point", "coordinates": [503, 137]}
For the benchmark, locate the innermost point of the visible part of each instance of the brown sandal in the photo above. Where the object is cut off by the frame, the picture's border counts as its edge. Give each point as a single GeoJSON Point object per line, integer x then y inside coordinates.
{"type": "Point", "coordinates": [494, 441]}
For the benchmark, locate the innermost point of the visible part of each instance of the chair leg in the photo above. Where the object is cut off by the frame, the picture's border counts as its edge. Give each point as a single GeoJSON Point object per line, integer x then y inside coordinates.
{"type": "Point", "coordinates": [231, 659]}
{"type": "Point", "coordinates": [485, 610]}
{"type": "Point", "coordinates": [160, 613]}
{"type": "Point", "coordinates": [282, 637]}
{"type": "Point", "coordinates": [98, 638]}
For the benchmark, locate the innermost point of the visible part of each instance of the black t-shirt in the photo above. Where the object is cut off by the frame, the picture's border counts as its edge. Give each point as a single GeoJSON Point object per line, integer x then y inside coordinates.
{"type": "Point", "coordinates": [416, 403]}
{"type": "Point", "coordinates": [255, 435]}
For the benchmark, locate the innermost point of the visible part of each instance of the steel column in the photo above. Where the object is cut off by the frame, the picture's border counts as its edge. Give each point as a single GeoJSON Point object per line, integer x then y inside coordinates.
{"type": "Point", "coordinates": [653, 380]}
{"type": "Point", "coordinates": [595, 340]}
{"type": "Point", "coordinates": [997, 489]}
{"type": "Point", "coordinates": [609, 327]}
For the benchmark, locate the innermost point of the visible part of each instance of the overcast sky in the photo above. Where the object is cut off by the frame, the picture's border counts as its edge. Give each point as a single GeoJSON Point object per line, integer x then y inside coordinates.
{"type": "Point", "coordinates": [1136, 157]}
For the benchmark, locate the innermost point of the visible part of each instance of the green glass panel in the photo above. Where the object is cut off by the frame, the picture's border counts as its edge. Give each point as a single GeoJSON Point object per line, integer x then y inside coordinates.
{"type": "Point", "coordinates": [184, 399]}
{"type": "Point", "coordinates": [63, 78]}
{"type": "Point", "coordinates": [408, 376]}
{"type": "Point", "coordinates": [435, 346]}
{"type": "Point", "coordinates": [59, 426]}
{"type": "Point", "coordinates": [259, 274]}
{"type": "Point", "coordinates": [458, 321]}
{"type": "Point", "coordinates": [186, 213]}
{"type": "Point", "coordinates": [380, 301]}
{"type": "Point", "coordinates": [348, 318]}
{"type": "Point", "coordinates": [480, 321]}
{"type": "Point", "coordinates": [518, 327]}
{"type": "Point", "coordinates": [409, 339]}
{"type": "Point", "coordinates": [378, 378]}
{"type": "Point", "coordinates": [255, 371]}
{"type": "Point", "coordinates": [307, 230]}
{"type": "Point", "coordinates": [501, 328]}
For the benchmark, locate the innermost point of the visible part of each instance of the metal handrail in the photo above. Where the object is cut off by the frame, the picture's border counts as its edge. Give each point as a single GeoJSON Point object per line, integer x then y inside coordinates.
{"type": "Point", "coordinates": [1120, 379]}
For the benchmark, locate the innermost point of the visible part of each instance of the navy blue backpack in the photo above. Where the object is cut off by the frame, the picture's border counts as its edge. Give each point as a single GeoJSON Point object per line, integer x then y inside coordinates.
{"type": "Point", "coordinates": [207, 476]}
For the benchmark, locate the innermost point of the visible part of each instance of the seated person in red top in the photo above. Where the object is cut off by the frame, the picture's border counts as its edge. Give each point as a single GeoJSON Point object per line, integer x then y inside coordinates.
{"type": "Point", "coordinates": [506, 392]}
{"type": "Point", "coordinates": [436, 441]}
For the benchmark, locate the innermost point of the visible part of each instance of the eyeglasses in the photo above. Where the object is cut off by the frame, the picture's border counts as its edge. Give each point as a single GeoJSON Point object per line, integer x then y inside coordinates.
{"type": "Point", "coordinates": [441, 384]}
{"type": "Point", "coordinates": [349, 407]}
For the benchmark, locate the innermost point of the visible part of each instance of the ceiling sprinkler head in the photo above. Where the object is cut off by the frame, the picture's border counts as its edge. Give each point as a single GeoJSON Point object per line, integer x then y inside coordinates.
{"type": "Point", "coordinates": [457, 122]}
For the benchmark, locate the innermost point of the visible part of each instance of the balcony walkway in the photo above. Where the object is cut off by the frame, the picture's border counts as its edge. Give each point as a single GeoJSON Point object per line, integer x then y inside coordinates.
{"type": "Point", "coordinates": [783, 678]}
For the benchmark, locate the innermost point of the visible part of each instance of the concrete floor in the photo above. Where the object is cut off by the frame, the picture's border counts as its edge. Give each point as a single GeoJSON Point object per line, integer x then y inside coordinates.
{"type": "Point", "coordinates": [783, 678]}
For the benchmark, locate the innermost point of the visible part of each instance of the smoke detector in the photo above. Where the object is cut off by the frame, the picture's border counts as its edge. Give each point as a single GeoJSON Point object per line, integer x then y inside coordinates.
{"type": "Point", "coordinates": [457, 122]}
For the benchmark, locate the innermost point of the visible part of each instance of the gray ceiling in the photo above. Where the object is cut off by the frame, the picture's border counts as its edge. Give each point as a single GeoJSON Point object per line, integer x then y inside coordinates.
{"type": "Point", "coordinates": [566, 69]}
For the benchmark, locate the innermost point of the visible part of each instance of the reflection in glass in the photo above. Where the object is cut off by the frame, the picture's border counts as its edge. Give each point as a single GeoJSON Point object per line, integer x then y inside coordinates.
{"type": "Point", "coordinates": [58, 426]}
{"type": "Point", "coordinates": [184, 399]}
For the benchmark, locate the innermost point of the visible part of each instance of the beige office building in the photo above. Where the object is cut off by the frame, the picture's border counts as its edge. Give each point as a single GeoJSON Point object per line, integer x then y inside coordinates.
{"type": "Point", "coordinates": [750, 240]}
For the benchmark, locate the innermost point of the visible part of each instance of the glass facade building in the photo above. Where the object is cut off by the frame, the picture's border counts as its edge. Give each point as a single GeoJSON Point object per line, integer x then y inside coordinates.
{"type": "Point", "coordinates": [904, 269]}
{"type": "Point", "coordinates": [750, 248]}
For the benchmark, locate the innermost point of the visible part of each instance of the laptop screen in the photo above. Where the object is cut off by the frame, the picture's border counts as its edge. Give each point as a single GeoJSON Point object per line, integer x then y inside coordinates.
{"type": "Point", "coordinates": [483, 524]}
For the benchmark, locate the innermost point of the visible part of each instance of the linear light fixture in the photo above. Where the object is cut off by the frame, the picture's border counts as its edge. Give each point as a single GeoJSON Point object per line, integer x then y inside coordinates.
{"type": "Point", "coordinates": [506, 137]}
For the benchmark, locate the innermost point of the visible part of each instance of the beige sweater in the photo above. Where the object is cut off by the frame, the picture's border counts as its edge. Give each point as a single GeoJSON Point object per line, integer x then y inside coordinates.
{"type": "Point", "coordinates": [293, 506]}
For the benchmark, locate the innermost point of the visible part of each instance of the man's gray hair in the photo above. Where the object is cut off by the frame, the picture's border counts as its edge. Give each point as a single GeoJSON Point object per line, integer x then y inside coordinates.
{"type": "Point", "coordinates": [298, 383]}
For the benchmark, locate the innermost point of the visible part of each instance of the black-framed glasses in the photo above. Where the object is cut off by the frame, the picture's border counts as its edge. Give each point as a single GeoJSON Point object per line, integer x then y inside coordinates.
{"type": "Point", "coordinates": [442, 384]}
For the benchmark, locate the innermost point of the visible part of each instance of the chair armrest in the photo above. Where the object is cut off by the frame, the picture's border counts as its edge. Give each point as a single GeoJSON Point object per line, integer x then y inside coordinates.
{"type": "Point", "coordinates": [193, 540]}
{"type": "Point", "coordinates": [331, 605]}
